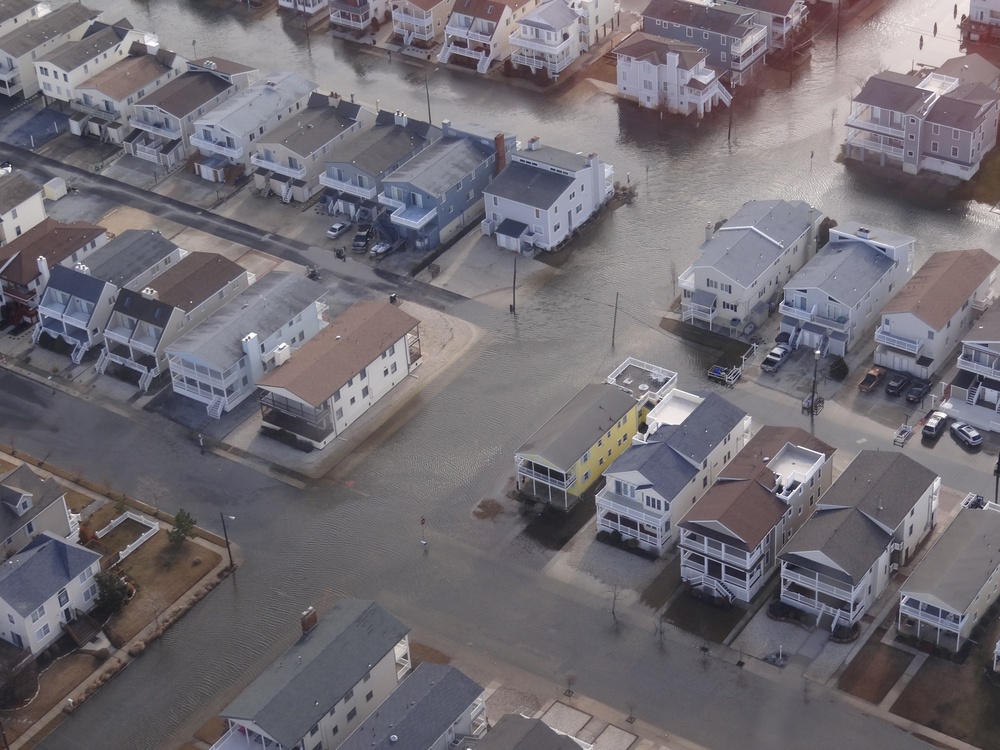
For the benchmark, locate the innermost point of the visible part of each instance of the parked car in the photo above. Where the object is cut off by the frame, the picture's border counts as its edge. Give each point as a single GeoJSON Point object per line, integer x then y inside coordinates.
{"type": "Point", "coordinates": [871, 379]}
{"type": "Point", "coordinates": [918, 391]}
{"type": "Point", "coordinates": [338, 230]}
{"type": "Point", "coordinates": [776, 358]}
{"type": "Point", "coordinates": [362, 238]}
{"type": "Point", "coordinates": [898, 383]}
{"type": "Point", "coordinates": [966, 433]}
{"type": "Point", "coordinates": [934, 425]}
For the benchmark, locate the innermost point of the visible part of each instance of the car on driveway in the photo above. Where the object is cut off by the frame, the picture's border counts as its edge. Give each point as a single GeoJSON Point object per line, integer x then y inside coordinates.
{"type": "Point", "coordinates": [338, 230]}
{"type": "Point", "coordinates": [898, 384]}
{"type": "Point", "coordinates": [918, 390]}
{"type": "Point", "coordinates": [966, 433]}
{"type": "Point", "coordinates": [776, 358]}
{"type": "Point", "coordinates": [362, 238]}
{"type": "Point", "coordinates": [935, 425]}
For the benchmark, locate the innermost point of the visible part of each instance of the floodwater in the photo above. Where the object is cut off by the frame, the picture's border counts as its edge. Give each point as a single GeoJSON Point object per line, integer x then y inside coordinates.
{"type": "Point", "coordinates": [355, 536]}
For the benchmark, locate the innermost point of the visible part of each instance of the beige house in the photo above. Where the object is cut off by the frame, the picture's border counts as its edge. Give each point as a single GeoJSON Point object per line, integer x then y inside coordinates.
{"type": "Point", "coordinates": [420, 23]}
{"type": "Point", "coordinates": [21, 206]}
{"type": "Point", "coordinates": [31, 505]}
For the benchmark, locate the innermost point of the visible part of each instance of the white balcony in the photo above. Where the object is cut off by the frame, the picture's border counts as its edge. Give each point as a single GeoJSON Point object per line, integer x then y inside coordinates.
{"type": "Point", "coordinates": [233, 152]}
{"type": "Point", "coordinates": [406, 25]}
{"type": "Point", "coordinates": [465, 32]}
{"type": "Point", "coordinates": [816, 584]}
{"type": "Point", "coordinates": [8, 74]}
{"type": "Point", "coordinates": [898, 342]}
{"type": "Point", "coordinates": [911, 608]}
{"type": "Point", "coordinates": [539, 45]}
{"type": "Point", "coordinates": [875, 143]}
{"type": "Point", "coordinates": [965, 362]}
{"type": "Point", "coordinates": [840, 615]}
{"type": "Point", "coordinates": [156, 128]}
{"type": "Point", "coordinates": [241, 738]}
{"type": "Point", "coordinates": [541, 62]}
{"type": "Point", "coordinates": [149, 150]}
{"type": "Point", "coordinates": [605, 501]}
{"type": "Point", "coordinates": [524, 470]}
{"type": "Point", "coordinates": [718, 551]}
{"type": "Point", "coordinates": [863, 123]}
{"type": "Point", "coordinates": [841, 324]}
{"type": "Point", "coordinates": [748, 44]}
{"type": "Point", "coordinates": [95, 111]}
{"type": "Point", "coordinates": [350, 19]}
{"type": "Point", "coordinates": [348, 187]}
{"type": "Point", "coordinates": [295, 174]}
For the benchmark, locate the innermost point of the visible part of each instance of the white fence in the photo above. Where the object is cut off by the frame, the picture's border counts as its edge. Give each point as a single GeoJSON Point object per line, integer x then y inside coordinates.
{"type": "Point", "coordinates": [154, 526]}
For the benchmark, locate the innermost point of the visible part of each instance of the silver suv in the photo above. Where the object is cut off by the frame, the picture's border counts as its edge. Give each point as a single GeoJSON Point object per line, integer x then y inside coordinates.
{"type": "Point", "coordinates": [935, 425]}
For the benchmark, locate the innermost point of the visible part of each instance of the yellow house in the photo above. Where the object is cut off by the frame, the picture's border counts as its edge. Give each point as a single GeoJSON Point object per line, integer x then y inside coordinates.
{"type": "Point", "coordinates": [569, 452]}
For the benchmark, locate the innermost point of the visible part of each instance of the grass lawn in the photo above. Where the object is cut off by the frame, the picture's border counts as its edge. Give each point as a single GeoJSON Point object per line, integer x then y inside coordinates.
{"type": "Point", "coordinates": [876, 668]}
{"type": "Point", "coordinates": [77, 501]}
{"type": "Point", "coordinates": [6, 466]}
{"type": "Point", "coordinates": [703, 619]}
{"type": "Point", "coordinates": [420, 653]}
{"type": "Point", "coordinates": [661, 588]}
{"type": "Point", "coordinates": [55, 683]}
{"type": "Point", "coordinates": [211, 730]}
{"type": "Point", "coordinates": [122, 535]}
{"type": "Point", "coordinates": [102, 517]}
{"type": "Point", "coordinates": [162, 576]}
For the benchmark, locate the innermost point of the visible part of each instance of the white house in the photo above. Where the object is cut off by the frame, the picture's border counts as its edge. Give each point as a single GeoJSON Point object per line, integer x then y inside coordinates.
{"type": "Point", "coordinates": [15, 14]}
{"type": "Point", "coordinates": [337, 376]}
{"type": "Point", "coordinates": [974, 393]}
{"type": "Point", "coordinates": [864, 529]}
{"type": "Point", "coordinates": [833, 300]}
{"type": "Point", "coordinates": [42, 587]}
{"type": "Point", "coordinates": [224, 135]}
{"type": "Point", "coordinates": [478, 31]}
{"type": "Point", "coordinates": [341, 669]}
{"type": "Point", "coordinates": [657, 479]}
{"type": "Point", "coordinates": [420, 23]}
{"type": "Point", "coordinates": [306, 13]}
{"type": "Point", "coordinates": [220, 360]}
{"type": "Point", "coordinates": [781, 18]}
{"type": "Point", "coordinates": [21, 205]}
{"type": "Point", "coordinates": [660, 73]}
{"type": "Point", "coordinates": [31, 505]}
{"type": "Point", "coordinates": [743, 264]}
{"type": "Point", "coordinates": [547, 38]}
{"type": "Point", "coordinates": [356, 15]}
{"type": "Point", "coordinates": [543, 195]}
{"type": "Point", "coordinates": [731, 538]}
{"type": "Point", "coordinates": [955, 583]}
{"type": "Point", "coordinates": [933, 311]}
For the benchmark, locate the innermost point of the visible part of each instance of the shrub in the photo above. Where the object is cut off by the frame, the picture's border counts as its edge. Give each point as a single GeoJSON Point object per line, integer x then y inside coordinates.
{"type": "Point", "coordinates": [112, 592]}
{"type": "Point", "coordinates": [839, 370]}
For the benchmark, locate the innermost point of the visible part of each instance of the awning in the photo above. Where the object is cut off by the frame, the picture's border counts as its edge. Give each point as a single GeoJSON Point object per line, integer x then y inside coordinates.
{"type": "Point", "coordinates": [704, 298]}
{"type": "Point", "coordinates": [512, 228]}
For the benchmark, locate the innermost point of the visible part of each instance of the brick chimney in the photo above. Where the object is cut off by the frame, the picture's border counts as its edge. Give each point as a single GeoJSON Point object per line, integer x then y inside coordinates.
{"type": "Point", "coordinates": [309, 620]}
{"type": "Point", "coordinates": [500, 144]}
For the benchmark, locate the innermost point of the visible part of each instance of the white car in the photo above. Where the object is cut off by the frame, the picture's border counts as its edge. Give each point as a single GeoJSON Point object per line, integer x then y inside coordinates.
{"type": "Point", "coordinates": [776, 358]}
{"type": "Point", "coordinates": [337, 230]}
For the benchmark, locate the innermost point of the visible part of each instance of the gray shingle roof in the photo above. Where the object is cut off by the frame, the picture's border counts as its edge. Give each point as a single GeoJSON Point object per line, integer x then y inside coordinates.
{"type": "Point", "coordinates": [312, 127]}
{"type": "Point", "coordinates": [972, 68]}
{"type": "Point", "coordinates": [554, 15]}
{"type": "Point", "coordinates": [533, 187]}
{"type": "Point", "coordinates": [705, 427]}
{"type": "Point", "coordinates": [186, 93]}
{"type": "Point", "coordinates": [418, 712]}
{"type": "Point", "coordinates": [964, 108]}
{"type": "Point", "coordinates": [661, 467]}
{"type": "Point", "coordinates": [896, 92]}
{"type": "Point", "coordinates": [129, 255]}
{"type": "Point", "coordinates": [36, 573]}
{"type": "Point", "coordinates": [294, 693]}
{"type": "Point", "coordinates": [256, 105]}
{"type": "Point", "coordinates": [71, 55]}
{"type": "Point", "coordinates": [11, 8]}
{"type": "Point", "coordinates": [850, 540]}
{"type": "Point", "coordinates": [380, 147]}
{"type": "Point", "coordinates": [23, 480]}
{"type": "Point", "coordinates": [441, 166]}
{"type": "Point", "coordinates": [642, 46]}
{"type": "Point", "coordinates": [721, 19]}
{"type": "Point", "coordinates": [515, 732]}
{"type": "Point", "coordinates": [15, 189]}
{"type": "Point", "coordinates": [35, 33]}
{"type": "Point", "coordinates": [845, 270]}
{"type": "Point", "coordinates": [554, 157]}
{"type": "Point", "coordinates": [77, 284]}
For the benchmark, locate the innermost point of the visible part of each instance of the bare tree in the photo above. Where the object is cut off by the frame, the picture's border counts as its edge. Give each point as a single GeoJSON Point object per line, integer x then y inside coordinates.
{"type": "Point", "coordinates": [570, 682]}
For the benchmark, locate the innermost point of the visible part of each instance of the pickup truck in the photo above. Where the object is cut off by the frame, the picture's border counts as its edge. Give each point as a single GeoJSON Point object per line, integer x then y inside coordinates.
{"type": "Point", "coordinates": [871, 379]}
{"type": "Point", "coordinates": [776, 358]}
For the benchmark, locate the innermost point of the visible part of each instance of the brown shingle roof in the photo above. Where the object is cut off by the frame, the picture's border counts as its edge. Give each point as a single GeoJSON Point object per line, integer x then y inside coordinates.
{"type": "Point", "coordinates": [51, 239]}
{"type": "Point", "coordinates": [942, 284]}
{"type": "Point", "coordinates": [126, 76]}
{"type": "Point", "coordinates": [184, 94]}
{"type": "Point", "coordinates": [15, 189]}
{"type": "Point", "coordinates": [353, 340]}
{"type": "Point", "coordinates": [196, 278]}
{"type": "Point", "coordinates": [489, 10]}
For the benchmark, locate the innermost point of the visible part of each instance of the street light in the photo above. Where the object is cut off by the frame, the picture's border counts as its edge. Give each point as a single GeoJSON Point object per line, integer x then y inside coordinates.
{"type": "Point", "coordinates": [225, 533]}
{"type": "Point", "coordinates": [996, 475]}
{"type": "Point", "coordinates": [427, 91]}
{"type": "Point", "coordinates": [812, 401]}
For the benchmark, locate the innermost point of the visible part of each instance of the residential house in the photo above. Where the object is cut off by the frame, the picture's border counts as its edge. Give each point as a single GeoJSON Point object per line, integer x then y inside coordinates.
{"type": "Point", "coordinates": [163, 120]}
{"type": "Point", "coordinates": [933, 311]}
{"type": "Point", "coordinates": [864, 529]}
{"type": "Point", "coordinates": [132, 259]}
{"type": "Point", "coordinates": [357, 15]}
{"type": "Point", "coordinates": [736, 43]}
{"type": "Point", "coordinates": [224, 135]}
{"type": "Point", "coordinates": [344, 665]}
{"type": "Point", "coordinates": [21, 205]}
{"type": "Point", "coordinates": [219, 361]}
{"type": "Point", "coordinates": [648, 384]}
{"type": "Point", "coordinates": [14, 14]}
{"type": "Point", "coordinates": [355, 168]}
{"type": "Point", "coordinates": [832, 301]}
{"type": "Point", "coordinates": [478, 31]}
{"type": "Point", "coordinates": [44, 586]}
{"type": "Point", "coordinates": [435, 708]}
{"type": "Point", "coordinates": [783, 19]}
{"type": "Point", "coordinates": [985, 11]}
{"type": "Point", "coordinates": [591, 12]}
{"type": "Point", "coordinates": [434, 195]}
{"type": "Point", "coordinates": [972, 67]}
{"type": "Point", "coordinates": [547, 38]}
{"type": "Point", "coordinates": [20, 47]}
{"type": "Point", "coordinates": [144, 323]}
{"type": "Point", "coordinates": [974, 393]}
{"type": "Point", "coordinates": [544, 195]}
{"type": "Point", "coordinates": [26, 261]}
{"type": "Point", "coordinates": [338, 375]}
{"type": "Point", "coordinates": [982, 25]}
{"type": "Point", "coordinates": [61, 70]}
{"type": "Point", "coordinates": [655, 481]}
{"type": "Point", "coordinates": [103, 102]}
{"type": "Point", "coordinates": [307, 13]}
{"type": "Point", "coordinates": [32, 505]}
{"type": "Point", "coordinates": [731, 538]}
{"type": "Point", "coordinates": [955, 583]}
{"type": "Point", "coordinates": [744, 262]}
{"type": "Point", "coordinates": [567, 454]}
{"type": "Point", "coordinates": [420, 23]}
{"type": "Point", "coordinates": [518, 732]}
{"type": "Point", "coordinates": [660, 73]}
{"type": "Point", "coordinates": [290, 158]}
{"type": "Point", "coordinates": [927, 120]}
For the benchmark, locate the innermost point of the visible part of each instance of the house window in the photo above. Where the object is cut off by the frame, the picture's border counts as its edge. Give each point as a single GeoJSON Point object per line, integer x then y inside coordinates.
{"type": "Point", "coordinates": [364, 373]}
{"type": "Point", "coordinates": [336, 396]}
{"type": "Point", "coordinates": [495, 202]}
{"type": "Point", "coordinates": [349, 695]}
{"type": "Point", "coordinates": [392, 367]}
{"type": "Point", "coordinates": [85, 575]}
{"type": "Point", "coordinates": [352, 713]}
{"type": "Point", "coordinates": [586, 458]}
{"type": "Point", "coordinates": [954, 133]}
{"type": "Point", "coordinates": [63, 598]}
{"type": "Point", "coordinates": [368, 676]}
{"type": "Point", "coordinates": [339, 413]}
{"type": "Point", "coordinates": [935, 129]}
{"type": "Point", "coordinates": [10, 617]}
{"type": "Point", "coordinates": [538, 213]}
{"type": "Point", "coordinates": [689, 31]}
{"type": "Point", "coordinates": [934, 147]}
{"type": "Point", "coordinates": [369, 696]}
{"type": "Point", "coordinates": [586, 475]}
{"type": "Point", "coordinates": [909, 153]}
{"type": "Point", "coordinates": [722, 56]}
{"type": "Point", "coordinates": [43, 631]}
{"type": "Point", "coordinates": [624, 489]}
{"type": "Point", "coordinates": [954, 150]}
{"type": "Point", "coordinates": [911, 530]}
{"type": "Point", "coordinates": [364, 392]}
{"type": "Point", "coordinates": [30, 527]}
{"type": "Point", "coordinates": [392, 350]}
{"type": "Point", "coordinates": [353, 399]}
{"type": "Point", "coordinates": [40, 612]}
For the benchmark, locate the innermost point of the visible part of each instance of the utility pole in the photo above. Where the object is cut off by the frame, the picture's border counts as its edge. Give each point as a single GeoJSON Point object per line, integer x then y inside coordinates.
{"type": "Point", "coordinates": [996, 475]}
{"type": "Point", "coordinates": [614, 325]}
{"type": "Point", "coordinates": [225, 533]}
{"type": "Point", "coordinates": [729, 136]}
{"type": "Point", "coordinates": [837, 44]}
{"type": "Point", "coordinates": [513, 288]}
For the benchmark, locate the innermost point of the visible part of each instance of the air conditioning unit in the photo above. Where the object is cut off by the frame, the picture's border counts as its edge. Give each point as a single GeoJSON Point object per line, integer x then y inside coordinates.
{"type": "Point", "coordinates": [282, 353]}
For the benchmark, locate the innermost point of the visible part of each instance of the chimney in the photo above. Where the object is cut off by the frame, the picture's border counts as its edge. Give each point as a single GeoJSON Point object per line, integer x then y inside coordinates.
{"type": "Point", "coordinates": [864, 233]}
{"type": "Point", "coordinates": [150, 293]}
{"type": "Point", "coordinates": [534, 143]}
{"type": "Point", "coordinates": [500, 145]}
{"type": "Point", "coordinates": [446, 127]}
{"type": "Point", "coordinates": [708, 231]}
{"type": "Point", "coordinates": [591, 160]}
{"type": "Point", "coordinates": [401, 119]}
{"type": "Point", "coordinates": [250, 343]}
{"type": "Point", "coordinates": [82, 268]}
{"type": "Point", "coordinates": [309, 620]}
{"type": "Point", "coordinates": [43, 269]}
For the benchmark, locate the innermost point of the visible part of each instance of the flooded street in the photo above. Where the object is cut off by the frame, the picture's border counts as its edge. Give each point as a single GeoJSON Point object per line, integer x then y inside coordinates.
{"type": "Point", "coordinates": [477, 583]}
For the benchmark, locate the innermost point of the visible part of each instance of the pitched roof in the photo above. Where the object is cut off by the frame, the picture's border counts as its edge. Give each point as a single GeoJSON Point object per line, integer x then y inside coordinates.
{"type": "Point", "coordinates": [222, 65]}
{"type": "Point", "coordinates": [896, 92]}
{"type": "Point", "coordinates": [845, 270]}
{"type": "Point", "coordinates": [12, 8]}
{"type": "Point", "coordinates": [129, 255]}
{"type": "Point", "coordinates": [311, 128]}
{"type": "Point", "coordinates": [721, 19]}
{"type": "Point", "coordinates": [352, 341]}
{"type": "Point", "coordinates": [972, 68]}
{"type": "Point", "coordinates": [127, 76]}
{"type": "Point", "coordinates": [704, 428]}
{"type": "Point", "coordinates": [579, 424]}
{"type": "Point", "coordinates": [516, 732]}
{"type": "Point", "coordinates": [552, 15]}
{"type": "Point", "coordinates": [774, 7]}
{"type": "Point", "coordinates": [418, 712]}
{"type": "Point", "coordinates": [255, 105]}
{"type": "Point", "coordinates": [964, 108]}
{"type": "Point", "coordinates": [99, 38]}
{"type": "Point", "coordinates": [52, 240]}
{"type": "Point", "coordinates": [489, 10]}
{"type": "Point", "coordinates": [37, 32]}
{"type": "Point", "coordinates": [315, 673]}
{"type": "Point", "coordinates": [940, 287]}
{"type": "Point", "coordinates": [37, 573]}
{"type": "Point", "coordinates": [186, 93]}
{"type": "Point", "coordinates": [655, 49]}
{"type": "Point", "coordinates": [552, 156]}
{"type": "Point", "coordinates": [849, 541]}
{"type": "Point", "coordinates": [987, 328]}
{"type": "Point", "coordinates": [15, 189]}
{"type": "Point", "coordinates": [538, 188]}
{"type": "Point", "coordinates": [18, 482]}
{"type": "Point", "coordinates": [442, 165]}
{"type": "Point", "coordinates": [77, 284]}
{"type": "Point", "coordinates": [385, 144]}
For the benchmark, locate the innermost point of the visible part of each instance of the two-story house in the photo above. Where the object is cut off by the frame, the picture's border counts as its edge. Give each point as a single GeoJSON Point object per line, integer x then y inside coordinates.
{"type": "Point", "coordinates": [356, 15]}
{"type": "Point", "coordinates": [62, 69]}
{"type": "Point", "coordinates": [833, 300]}
{"type": "Point", "coordinates": [340, 373]}
{"type": "Point", "coordinates": [731, 538]}
{"type": "Point", "coordinates": [434, 195]}
{"type": "Point", "coordinates": [339, 671]}
{"type": "Point", "coordinates": [478, 31]}
{"type": "Point", "coordinates": [43, 587]}
{"type": "Point", "coordinates": [220, 360]}
{"type": "Point", "coordinates": [163, 120]}
{"type": "Point", "coordinates": [543, 195]}
{"type": "Point", "coordinates": [744, 262]}
{"type": "Point", "coordinates": [660, 73]}
{"type": "Point", "coordinates": [355, 167]}
{"type": "Point", "coordinates": [933, 121]}
{"type": "Point", "coordinates": [420, 23]}
{"type": "Point", "coordinates": [290, 158]}
{"type": "Point", "coordinates": [567, 454]}
{"type": "Point", "coordinates": [21, 205]}
{"type": "Point", "coordinates": [974, 393]}
{"type": "Point", "coordinates": [735, 42]}
{"type": "Point", "coordinates": [655, 481]}
{"type": "Point", "coordinates": [16, 13]}
{"type": "Point", "coordinates": [32, 505]}
{"type": "Point", "coordinates": [933, 311]}
{"type": "Point", "coordinates": [864, 529]}
{"type": "Point", "coordinates": [224, 136]}
{"type": "Point", "coordinates": [26, 261]}
{"type": "Point", "coordinates": [144, 323]}
{"type": "Point", "coordinates": [955, 583]}
{"type": "Point", "coordinates": [547, 38]}
{"type": "Point", "coordinates": [783, 19]}
{"type": "Point", "coordinates": [305, 13]}
{"type": "Point", "coordinates": [21, 46]}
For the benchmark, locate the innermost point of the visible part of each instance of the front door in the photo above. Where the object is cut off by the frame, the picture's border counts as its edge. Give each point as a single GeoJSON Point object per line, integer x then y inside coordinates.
{"type": "Point", "coordinates": [67, 615]}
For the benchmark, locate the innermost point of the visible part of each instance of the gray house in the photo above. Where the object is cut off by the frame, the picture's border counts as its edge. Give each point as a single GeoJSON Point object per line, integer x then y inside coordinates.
{"type": "Point", "coordinates": [735, 43]}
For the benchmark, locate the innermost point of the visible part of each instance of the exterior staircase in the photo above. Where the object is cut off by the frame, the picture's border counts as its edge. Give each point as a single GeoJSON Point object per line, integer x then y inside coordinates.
{"type": "Point", "coordinates": [145, 380]}
{"type": "Point", "coordinates": [824, 346]}
{"type": "Point", "coordinates": [36, 334]}
{"type": "Point", "coordinates": [102, 362]}
{"type": "Point", "coordinates": [78, 351]}
{"type": "Point", "coordinates": [215, 408]}
{"type": "Point", "coordinates": [408, 38]}
{"type": "Point", "coordinates": [483, 65]}
{"type": "Point", "coordinates": [286, 194]}
{"type": "Point", "coordinates": [794, 340]}
{"type": "Point", "coordinates": [718, 588]}
{"type": "Point", "coordinates": [974, 389]}
{"type": "Point", "coordinates": [445, 54]}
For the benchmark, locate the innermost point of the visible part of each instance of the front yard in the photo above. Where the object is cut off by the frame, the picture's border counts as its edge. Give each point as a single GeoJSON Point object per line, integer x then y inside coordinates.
{"type": "Point", "coordinates": [874, 670]}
